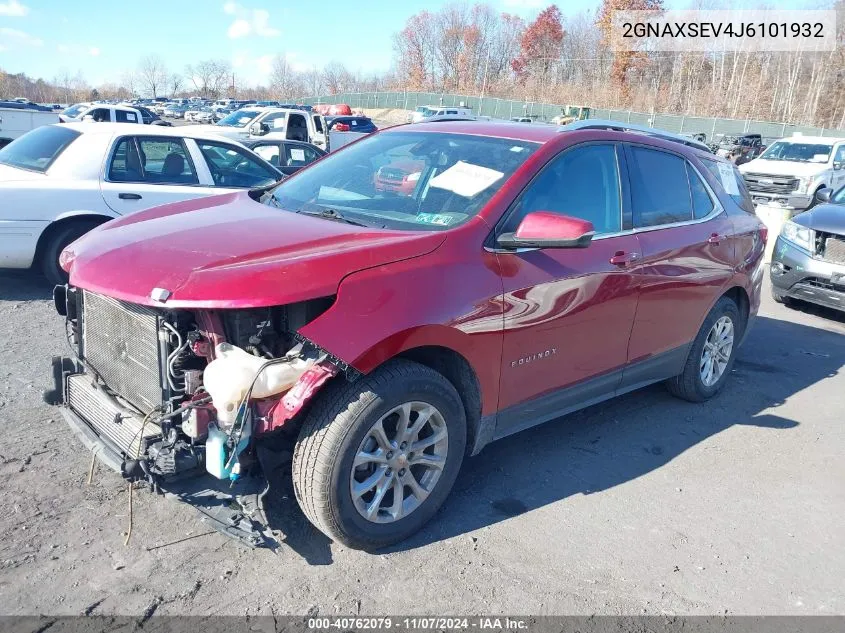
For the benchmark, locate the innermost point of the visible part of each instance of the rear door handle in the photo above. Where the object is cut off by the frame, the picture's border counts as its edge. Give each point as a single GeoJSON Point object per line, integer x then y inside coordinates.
{"type": "Point", "coordinates": [715, 238]}
{"type": "Point", "coordinates": [622, 258]}
{"type": "Point", "coordinates": [129, 196]}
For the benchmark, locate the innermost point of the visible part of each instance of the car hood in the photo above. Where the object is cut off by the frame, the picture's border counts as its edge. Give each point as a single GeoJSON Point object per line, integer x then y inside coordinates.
{"type": "Point", "coordinates": [220, 130]}
{"type": "Point", "coordinates": [782, 168]}
{"type": "Point", "coordinates": [229, 251]}
{"type": "Point", "coordinates": [829, 218]}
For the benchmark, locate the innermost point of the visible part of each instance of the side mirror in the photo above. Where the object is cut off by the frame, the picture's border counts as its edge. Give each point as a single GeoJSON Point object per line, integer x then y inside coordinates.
{"type": "Point", "coordinates": [255, 129]}
{"type": "Point", "coordinates": [823, 195]}
{"type": "Point", "coordinates": [837, 165]}
{"type": "Point", "coordinates": [546, 229]}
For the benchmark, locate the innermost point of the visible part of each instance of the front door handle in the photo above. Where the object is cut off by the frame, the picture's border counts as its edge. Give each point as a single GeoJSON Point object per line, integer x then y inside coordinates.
{"type": "Point", "coordinates": [715, 238]}
{"type": "Point", "coordinates": [129, 196]}
{"type": "Point", "coordinates": [622, 258]}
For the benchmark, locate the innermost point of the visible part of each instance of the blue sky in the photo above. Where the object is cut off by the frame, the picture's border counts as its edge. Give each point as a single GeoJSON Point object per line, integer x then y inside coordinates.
{"type": "Point", "coordinates": [102, 38]}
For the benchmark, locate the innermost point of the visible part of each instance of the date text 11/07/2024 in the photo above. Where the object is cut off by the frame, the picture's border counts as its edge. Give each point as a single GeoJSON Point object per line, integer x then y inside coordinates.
{"type": "Point", "coordinates": [418, 623]}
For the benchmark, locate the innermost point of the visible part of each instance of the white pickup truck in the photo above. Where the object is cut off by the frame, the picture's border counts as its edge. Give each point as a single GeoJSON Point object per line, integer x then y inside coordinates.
{"type": "Point", "coordinates": [790, 172]}
{"type": "Point", "coordinates": [253, 122]}
{"type": "Point", "coordinates": [17, 121]}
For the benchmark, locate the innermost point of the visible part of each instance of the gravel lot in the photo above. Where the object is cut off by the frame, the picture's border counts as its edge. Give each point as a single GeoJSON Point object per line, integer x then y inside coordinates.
{"type": "Point", "coordinates": [641, 505]}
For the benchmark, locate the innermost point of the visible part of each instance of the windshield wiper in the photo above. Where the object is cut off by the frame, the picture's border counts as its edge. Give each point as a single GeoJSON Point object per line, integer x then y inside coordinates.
{"type": "Point", "coordinates": [332, 214]}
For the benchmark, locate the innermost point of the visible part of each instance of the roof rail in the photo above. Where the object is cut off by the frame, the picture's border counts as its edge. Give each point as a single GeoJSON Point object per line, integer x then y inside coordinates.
{"type": "Point", "coordinates": [602, 124]}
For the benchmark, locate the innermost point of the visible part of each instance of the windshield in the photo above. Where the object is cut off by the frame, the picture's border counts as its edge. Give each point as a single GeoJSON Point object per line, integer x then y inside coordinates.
{"type": "Point", "coordinates": [74, 110]}
{"type": "Point", "coordinates": [802, 152]}
{"type": "Point", "coordinates": [839, 196]}
{"type": "Point", "coordinates": [239, 118]}
{"type": "Point", "coordinates": [406, 180]}
{"type": "Point", "coordinates": [36, 150]}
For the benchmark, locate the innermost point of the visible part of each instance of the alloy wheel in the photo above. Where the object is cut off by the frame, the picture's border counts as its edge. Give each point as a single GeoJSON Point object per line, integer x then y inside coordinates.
{"type": "Point", "coordinates": [717, 351]}
{"type": "Point", "coordinates": [399, 462]}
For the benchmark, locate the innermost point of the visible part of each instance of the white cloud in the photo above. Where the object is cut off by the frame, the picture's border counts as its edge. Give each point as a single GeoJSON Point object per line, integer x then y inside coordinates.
{"type": "Point", "coordinates": [12, 38]}
{"type": "Point", "coordinates": [264, 64]}
{"type": "Point", "coordinates": [94, 51]}
{"type": "Point", "coordinates": [238, 28]}
{"type": "Point", "coordinates": [249, 22]}
{"type": "Point", "coordinates": [13, 9]}
{"type": "Point", "coordinates": [296, 64]}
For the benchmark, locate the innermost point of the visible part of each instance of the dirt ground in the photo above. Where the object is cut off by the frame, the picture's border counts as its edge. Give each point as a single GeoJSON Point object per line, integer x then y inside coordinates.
{"type": "Point", "coordinates": [641, 505]}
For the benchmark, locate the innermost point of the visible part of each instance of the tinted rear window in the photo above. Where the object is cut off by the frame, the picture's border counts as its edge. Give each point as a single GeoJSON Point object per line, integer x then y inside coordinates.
{"type": "Point", "coordinates": [38, 149]}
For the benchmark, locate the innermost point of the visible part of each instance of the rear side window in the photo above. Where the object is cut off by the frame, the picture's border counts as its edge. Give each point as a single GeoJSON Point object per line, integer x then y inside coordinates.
{"type": "Point", "coordinates": [38, 149]}
{"type": "Point", "coordinates": [122, 116]}
{"type": "Point", "coordinates": [318, 124]}
{"type": "Point", "coordinates": [660, 191]}
{"type": "Point", "coordinates": [296, 156]}
{"type": "Point", "coordinates": [729, 178]}
{"type": "Point", "coordinates": [154, 161]}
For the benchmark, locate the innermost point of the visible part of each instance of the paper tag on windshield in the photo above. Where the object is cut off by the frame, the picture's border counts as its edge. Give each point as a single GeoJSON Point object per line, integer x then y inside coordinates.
{"type": "Point", "coordinates": [466, 179]}
{"type": "Point", "coordinates": [297, 154]}
{"type": "Point", "coordinates": [726, 173]}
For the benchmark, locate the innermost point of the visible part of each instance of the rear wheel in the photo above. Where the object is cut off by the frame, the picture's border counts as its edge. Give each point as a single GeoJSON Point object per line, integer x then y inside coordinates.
{"type": "Point", "coordinates": [59, 239]}
{"type": "Point", "coordinates": [375, 459]}
{"type": "Point", "coordinates": [711, 356]}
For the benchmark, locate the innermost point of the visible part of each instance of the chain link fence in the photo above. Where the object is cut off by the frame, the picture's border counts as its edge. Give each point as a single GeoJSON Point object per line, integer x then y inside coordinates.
{"type": "Point", "coordinates": [509, 108]}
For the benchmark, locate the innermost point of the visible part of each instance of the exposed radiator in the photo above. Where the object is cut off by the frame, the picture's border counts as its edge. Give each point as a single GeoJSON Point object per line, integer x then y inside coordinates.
{"type": "Point", "coordinates": [121, 427]}
{"type": "Point", "coordinates": [120, 341]}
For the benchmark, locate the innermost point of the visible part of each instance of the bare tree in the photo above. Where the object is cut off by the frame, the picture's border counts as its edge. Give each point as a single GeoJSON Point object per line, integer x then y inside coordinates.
{"type": "Point", "coordinates": [175, 82]}
{"type": "Point", "coordinates": [152, 74]}
{"type": "Point", "coordinates": [210, 77]}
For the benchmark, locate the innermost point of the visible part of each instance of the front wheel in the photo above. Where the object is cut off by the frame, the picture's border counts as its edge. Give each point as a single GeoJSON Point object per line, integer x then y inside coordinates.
{"type": "Point", "coordinates": [376, 458]}
{"type": "Point", "coordinates": [60, 239]}
{"type": "Point", "coordinates": [711, 356]}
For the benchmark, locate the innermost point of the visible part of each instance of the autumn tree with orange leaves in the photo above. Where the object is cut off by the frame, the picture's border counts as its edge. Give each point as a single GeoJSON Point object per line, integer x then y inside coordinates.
{"type": "Point", "coordinates": [540, 46]}
{"type": "Point", "coordinates": [624, 61]}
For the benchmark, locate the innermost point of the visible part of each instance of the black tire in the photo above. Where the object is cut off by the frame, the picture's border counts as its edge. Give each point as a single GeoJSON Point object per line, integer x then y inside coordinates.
{"type": "Point", "coordinates": [334, 428]}
{"type": "Point", "coordinates": [689, 385]}
{"type": "Point", "coordinates": [56, 243]}
{"type": "Point", "coordinates": [781, 299]}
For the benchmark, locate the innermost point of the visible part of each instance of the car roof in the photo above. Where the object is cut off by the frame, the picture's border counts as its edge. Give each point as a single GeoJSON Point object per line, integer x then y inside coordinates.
{"type": "Point", "coordinates": [500, 129]}
{"type": "Point", "coordinates": [812, 139]}
{"type": "Point", "coordinates": [115, 129]}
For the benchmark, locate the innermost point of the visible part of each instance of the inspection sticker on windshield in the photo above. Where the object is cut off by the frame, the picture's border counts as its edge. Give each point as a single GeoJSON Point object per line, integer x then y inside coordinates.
{"type": "Point", "coordinates": [435, 218]}
{"type": "Point", "coordinates": [466, 179]}
{"type": "Point", "coordinates": [726, 173]}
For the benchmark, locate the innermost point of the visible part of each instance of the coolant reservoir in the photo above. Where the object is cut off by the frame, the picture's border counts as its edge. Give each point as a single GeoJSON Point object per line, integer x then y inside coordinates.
{"type": "Point", "coordinates": [228, 377]}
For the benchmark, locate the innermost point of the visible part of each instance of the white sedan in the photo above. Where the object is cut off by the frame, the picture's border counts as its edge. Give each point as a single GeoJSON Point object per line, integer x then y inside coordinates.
{"type": "Point", "coordinates": [59, 181]}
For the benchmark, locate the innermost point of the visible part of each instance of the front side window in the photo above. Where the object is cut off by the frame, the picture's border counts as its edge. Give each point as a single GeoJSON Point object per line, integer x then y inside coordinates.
{"type": "Point", "coordinates": [38, 149]}
{"type": "Point", "coordinates": [660, 192]}
{"type": "Point", "coordinates": [232, 166]}
{"type": "Point", "coordinates": [100, 115]}
{"type": "Point", "coordinates": [583, 182]}
{"type": "Point", "coordinates": [274, 120]}
{"type": "Point", "coordinates": [406, 180]}
{"type": "Point", "coordinates": [270, 153]}
{"type": "Point", "coordinates": [297, 128]}
{"type": "Point", "coordinates": [801, 152]}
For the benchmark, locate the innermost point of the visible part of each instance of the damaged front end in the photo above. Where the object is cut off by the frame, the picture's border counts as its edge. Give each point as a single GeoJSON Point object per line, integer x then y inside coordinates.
{"type": "Point", "coordinates": [164, 396]}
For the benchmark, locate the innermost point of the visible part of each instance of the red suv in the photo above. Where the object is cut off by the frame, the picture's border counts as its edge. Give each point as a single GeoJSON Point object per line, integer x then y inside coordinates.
{"type": "Point", "coordinates": [530, 272]}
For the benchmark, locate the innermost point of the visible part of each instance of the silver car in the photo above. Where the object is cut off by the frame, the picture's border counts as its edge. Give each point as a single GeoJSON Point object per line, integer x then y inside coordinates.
{"type": "Point", "coordinates": [808, 262]}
